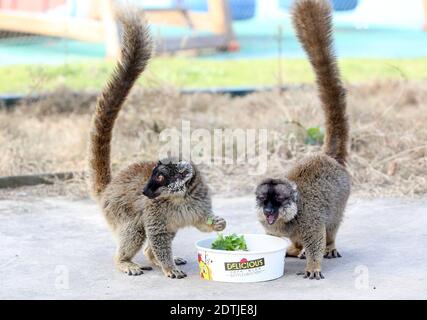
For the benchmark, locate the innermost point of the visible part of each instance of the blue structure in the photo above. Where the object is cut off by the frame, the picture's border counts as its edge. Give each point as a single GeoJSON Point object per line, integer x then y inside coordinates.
{"type": "Point", "coordinates": [345, 5]}
{"type": "Point", "coordinates": [339, 5]}
{"type": "Point", "coordinates": [240, 9]}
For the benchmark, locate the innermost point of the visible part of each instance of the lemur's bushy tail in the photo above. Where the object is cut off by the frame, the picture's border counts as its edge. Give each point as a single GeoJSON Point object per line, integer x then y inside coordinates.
{"type": "Point", "coordinates": [136, 48]}
{"type": "Point", "coordinates": [313, 23]}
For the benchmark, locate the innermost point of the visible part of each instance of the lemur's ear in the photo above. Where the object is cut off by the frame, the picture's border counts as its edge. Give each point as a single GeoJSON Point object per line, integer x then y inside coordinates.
{"type": "Point", "coordinates": [294, 190]}
{"type": "Point", "coordinates": [186, 169]}
{"type": "Point", "coordinates": [185, 166]}
{"type": "Point", "coordinates": [261, 188]}
{"type": "Point", "coordinates": [293, 185]}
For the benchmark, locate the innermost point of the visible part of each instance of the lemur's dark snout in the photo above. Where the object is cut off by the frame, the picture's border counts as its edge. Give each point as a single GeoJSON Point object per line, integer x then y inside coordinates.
{"type": "Point", "coordinates": [271, 213]}
{"type": "Point", "coordinates": [268, 211]}
{"type": "Point", "coordinates": [269, 208]}
{"type": "Point", "coordinates": [149, 193]}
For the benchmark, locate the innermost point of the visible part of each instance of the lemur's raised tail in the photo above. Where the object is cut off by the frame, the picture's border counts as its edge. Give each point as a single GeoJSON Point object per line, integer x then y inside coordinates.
{"type": "Point", "coordinates": [307, 204]}
{"type": "Point", "coordinates": [136, 50]}
{"type": "Point", "coordinates": [312, 20]}
{"type": "Point", "coordinates": [147, 202]}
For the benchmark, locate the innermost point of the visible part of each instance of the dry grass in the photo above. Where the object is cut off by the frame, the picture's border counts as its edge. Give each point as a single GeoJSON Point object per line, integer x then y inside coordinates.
{"type": "Point", "coordinates": [388, 121]}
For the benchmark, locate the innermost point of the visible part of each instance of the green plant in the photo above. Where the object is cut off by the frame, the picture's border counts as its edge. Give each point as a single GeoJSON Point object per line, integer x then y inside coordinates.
{"type": "Point", "coordinates": [315, 136]}
{"type": "Point", "coordinates": [231, 242]}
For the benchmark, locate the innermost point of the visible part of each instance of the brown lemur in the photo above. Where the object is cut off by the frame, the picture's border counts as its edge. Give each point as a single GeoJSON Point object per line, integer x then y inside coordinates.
{"type": "Point", "coordinates": [307, 204]}
{"type": "Point", "coordinates": [148, 202]}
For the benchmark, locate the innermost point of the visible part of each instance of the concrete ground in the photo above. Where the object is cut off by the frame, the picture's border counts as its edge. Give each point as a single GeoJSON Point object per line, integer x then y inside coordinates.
{"type": "Point", "coordinates": [57, 248]}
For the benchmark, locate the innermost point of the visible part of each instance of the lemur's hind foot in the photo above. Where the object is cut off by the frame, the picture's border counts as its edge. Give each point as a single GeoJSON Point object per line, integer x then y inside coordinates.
{"type": "Point", "coordinates": [332, 254]}
{"type": "Point", "coordinates": [331, 251]}
{"type": "Point", "coordinates": [317, 274]}
{"type": "Point", "coordinates": [131, 268]}
{"type": "Point", "coordinates": [313, 270]}
{"type": "Point", "coordinates": [174, 273]}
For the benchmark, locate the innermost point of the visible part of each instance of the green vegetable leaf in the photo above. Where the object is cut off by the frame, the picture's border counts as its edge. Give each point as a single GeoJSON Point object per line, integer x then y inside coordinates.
{"type": "Point", "coordinates": [210, 221]}
{"type": "Point", "coordinates": [231, 242]}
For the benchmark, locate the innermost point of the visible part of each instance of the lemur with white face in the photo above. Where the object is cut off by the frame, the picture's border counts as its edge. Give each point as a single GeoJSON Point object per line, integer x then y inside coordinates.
{"type": "Point", "coordinates": [308, 202]}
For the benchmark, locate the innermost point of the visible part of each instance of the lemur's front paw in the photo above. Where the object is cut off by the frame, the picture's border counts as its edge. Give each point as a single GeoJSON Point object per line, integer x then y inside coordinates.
{"type": "Point", "coordinates": [174, 273]}
{"type": "Point", "coordinates": [312, 274]}
{"type": "Point", "coordinates": [131, 268]}
{"type": "Point", "coordinates": [218, 223]}
{"type": "Point", "coordinates": [180, 261]}
{"type": "Point", "coordinates": [332, 254]}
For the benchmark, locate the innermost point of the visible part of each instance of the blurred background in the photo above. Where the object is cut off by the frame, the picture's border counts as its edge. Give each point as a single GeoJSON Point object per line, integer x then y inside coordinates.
{"type": "Point", "coordinates": [227, 65]}
{"type": "Point", "coordinates": [220, 64]}
{"type": "Point", "coordinates": [216, 38]}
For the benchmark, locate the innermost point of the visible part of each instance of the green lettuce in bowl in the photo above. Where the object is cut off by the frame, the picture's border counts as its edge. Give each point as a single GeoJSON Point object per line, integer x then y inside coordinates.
{"type": "Point", "coordinates": [231, 242]}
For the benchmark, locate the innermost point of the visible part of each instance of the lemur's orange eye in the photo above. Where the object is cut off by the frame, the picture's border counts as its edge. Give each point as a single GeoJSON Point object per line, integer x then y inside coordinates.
{"type": "Point", "coordinates": [160, 178]}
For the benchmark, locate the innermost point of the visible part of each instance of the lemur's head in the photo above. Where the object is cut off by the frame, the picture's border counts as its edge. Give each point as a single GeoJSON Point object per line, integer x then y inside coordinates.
{"type": "Point", "coordinates": [277, 200]}
{"type": "Point", "coordinates": [169, 176]}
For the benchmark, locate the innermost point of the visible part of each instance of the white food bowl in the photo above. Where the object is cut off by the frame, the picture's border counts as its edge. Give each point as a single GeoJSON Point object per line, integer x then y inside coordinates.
{"type": "Point", "coordinates": [264, 260]}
